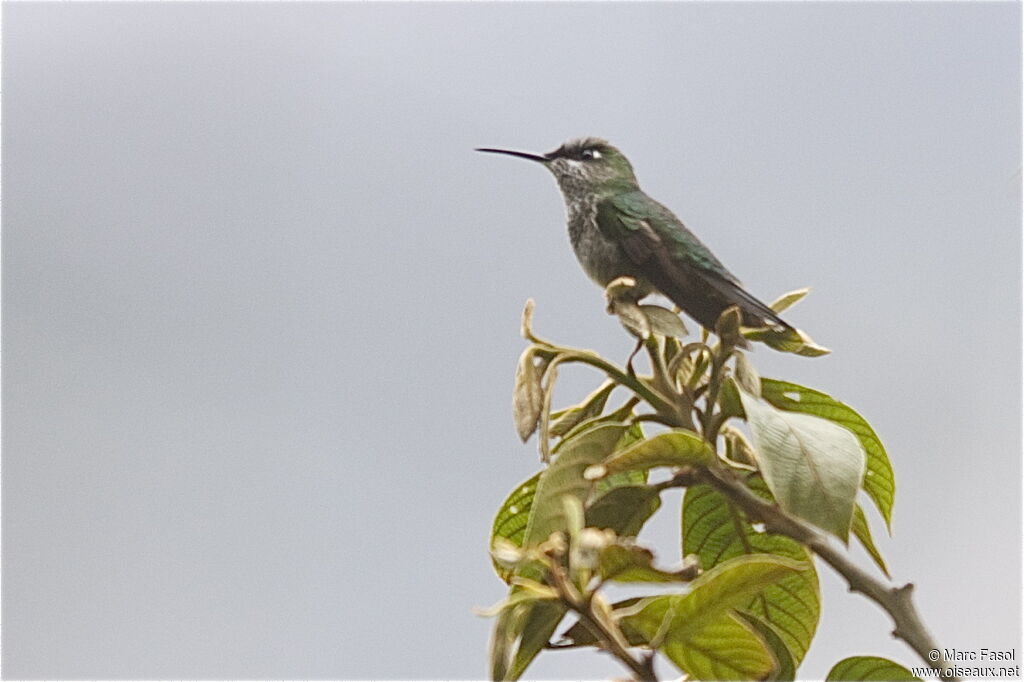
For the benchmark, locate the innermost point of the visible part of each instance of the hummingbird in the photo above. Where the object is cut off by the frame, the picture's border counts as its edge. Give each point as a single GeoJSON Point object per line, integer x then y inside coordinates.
{"type": "Point", "coordinates": [616, 230]}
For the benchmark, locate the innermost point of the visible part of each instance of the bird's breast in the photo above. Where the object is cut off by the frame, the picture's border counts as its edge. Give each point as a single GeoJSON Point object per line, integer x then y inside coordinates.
{"type": "Point", "coordinates": [602, 259]}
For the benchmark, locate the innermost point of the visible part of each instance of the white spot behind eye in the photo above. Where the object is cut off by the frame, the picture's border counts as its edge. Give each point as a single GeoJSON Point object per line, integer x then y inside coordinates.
{"type": "Point", "coordinates": [594, 154]}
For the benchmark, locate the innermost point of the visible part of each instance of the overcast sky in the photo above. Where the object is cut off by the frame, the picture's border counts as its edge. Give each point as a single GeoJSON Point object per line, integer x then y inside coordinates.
{"type": "Point", "coordinates": [261, 305]}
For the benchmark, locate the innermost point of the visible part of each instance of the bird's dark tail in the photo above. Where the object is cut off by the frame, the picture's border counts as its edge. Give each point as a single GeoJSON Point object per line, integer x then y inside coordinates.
{"type": "Point", "coordinates": [720, 293]}
{"type": "Point", "coordinates": [761, 322]}
{"type": "Point", "coordinates": [764, 325]}
{"type": "Point", "coordinates": [757, 314]}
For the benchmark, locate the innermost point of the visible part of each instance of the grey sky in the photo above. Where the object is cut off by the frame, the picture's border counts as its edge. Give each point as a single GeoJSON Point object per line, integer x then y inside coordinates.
{"type": "Point", "coordinates": [261, 304]}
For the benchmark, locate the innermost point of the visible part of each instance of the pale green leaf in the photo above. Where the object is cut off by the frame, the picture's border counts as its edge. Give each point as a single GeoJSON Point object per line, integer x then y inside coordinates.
{"type": "Point", "coordinates": [672, 449]}
{"type": "Point", "coordinates": [746, 375]}
{"type": "Point", "coordinates": [620, 415]}
{"type": "Point", "coordinates": [787, 300]}
{"type": "Point", "coordinates": [729, 399]}
{"type": "Point", "coordinates": [785, 666]}
{"type": "Point", "coordinates": [631, 317]}
{"type": "Point", "coordinates": [564, 420]}
{"type": "Point", "coordinates": [663, 321]}
{"type": "Point", "coordinates": [532, 591]}
{"type": "Point", "coordinates": [624, 509]}
{"type": "Point", "coordinates": [786, 340]}
{"type": "Point", "coordinates": [809, 348]}
{"type": "Point", "coordinates": [634, 434]}
{"type": "Point", "coordinates": [813, 466]}
{"type": "Point", "coordinates": [738, 449]}
{"type": "Point", "coordinates": [728, 326]}
{"type": "Point", "coordinates": [565, 477]}
{"type": "Point", "coordinates": [527, 395]}
{"type": "Point", "coordinates": [635, 564]}
{"type": "Point", "coordinates": [879, 480]}
{"type": "Point", "coordinates": [869, 669]}
{"type": "Point", "coordinates": [508, 627]}
{"type": "Point", "coordinates": [624, 514]}
{"type": "Point", "coordinates": [573, 510]}
{"type": "Point", "coordinates": [717, 531]}
{"type": "Point", "coordinates": [862, 531]}
{"type": "Point", "coordinates": [530, 626]}
{"type": "Point", "coordinates": [526, 325]}
{"type": "Point", "coordinates": [513, 515]}
{"type": "Point", "coordinates": [620, 288]}
{"type": "Point", "coordinates": [725, 648]}
{"type": "Point", "coordinates": [522, 631]}
{"type": "Point", "coordinates": [700, 633]}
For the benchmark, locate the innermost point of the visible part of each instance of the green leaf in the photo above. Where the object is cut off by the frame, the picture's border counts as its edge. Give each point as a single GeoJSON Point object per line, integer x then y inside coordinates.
{"type": "Point", "coordinates": [729, 399]}
{"type": "Point", "coordinates": [673, 449]}
{"type": "Point", "coordinates": [624, 478]}
{"type": "Point", "coordinates": [786, 340]}
{"type": "Point", "coordinates": [624, 509]}
{"type": "Point", "coordinates": [564, 420]}
{"type": "Point", "coordinates": [634, 434]}
{"type": "Point", "coordinates": [698, 630]}
{"type": "Point", "coordinates": [512, 518]}
{"type": "Point", "coordinates": [862, 531]}
{"type": "Point", "coordinates": [631, 317]}
{"type": "Point", "coordinates": [788, 299]}
{"type": "Point", "coordinates": [520, 633]}
{"type": "Point", "coordinates": [507, 629]}
{"type": "Point", "coordinates": [813, 466]}
{"type": "Point", "coordinates": [620, 415]}
{"type": "Point", "coordinates": [532, 592]}
{"type": "Point", "coordinates": [785, 666]}
{"type": "Point", "coordinates": [746, 375]}
{"type": "Point", "coordinates": [869, 669]}
{"type": "Point", "coordinates": [663, 321]}
{"type": "Point", "coordinates": [625, 513]}
{"type": "Point", "coordinates": [717, 531]}
{"type": "Point", "coordinates": [527, 395]}
{"type": "Point", "coordinates": [565, 477]}
{"type": "Point", "coordinates": [879, 481]}
{"type": "Point", "coordinates": [728, 327]}
{"type": "Point", "coordinates": [810, 349]}
{"type": "Point", "coordinates": [635, 564]}
{"type": "Point", "coordinates": [738, 449]}
{"type": "Point", "coordinates": [523, 630]}
{"type": "Point", "coordinates": [526, 325]}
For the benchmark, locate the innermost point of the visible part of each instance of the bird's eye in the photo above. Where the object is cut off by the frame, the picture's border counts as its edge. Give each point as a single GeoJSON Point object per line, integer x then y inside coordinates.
{"type": "Point", "coordinates": [589, 154]}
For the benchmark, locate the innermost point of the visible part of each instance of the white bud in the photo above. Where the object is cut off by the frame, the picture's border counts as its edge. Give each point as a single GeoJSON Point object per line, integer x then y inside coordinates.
{"type": "Point", "coordinates": [505, 553]}
{"type": "Point", "coordinates": [589, 546]}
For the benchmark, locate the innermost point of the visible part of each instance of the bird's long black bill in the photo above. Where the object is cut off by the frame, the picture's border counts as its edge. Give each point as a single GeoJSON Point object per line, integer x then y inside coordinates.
{"type": "Point", "coordinates": [521, 155]}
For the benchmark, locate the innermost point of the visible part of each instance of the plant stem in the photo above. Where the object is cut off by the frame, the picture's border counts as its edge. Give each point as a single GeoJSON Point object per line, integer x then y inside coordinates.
{"type": "Point", "coordinates": [611, 642]}
{"type": "Point", "coordinates": [665, 383]}
{"type": "Point", "coordinates": [664, 406]}
{"type": "Point", "coordinates": [709, 426]}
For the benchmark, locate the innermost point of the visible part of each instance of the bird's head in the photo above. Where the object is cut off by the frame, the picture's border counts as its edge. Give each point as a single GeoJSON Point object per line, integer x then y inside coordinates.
{"type": "Point", "coordinates": [585, 165]}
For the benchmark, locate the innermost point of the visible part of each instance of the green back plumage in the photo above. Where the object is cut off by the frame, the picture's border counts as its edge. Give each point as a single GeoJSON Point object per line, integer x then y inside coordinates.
{"type": "Point", "coordinates": [623, 216]}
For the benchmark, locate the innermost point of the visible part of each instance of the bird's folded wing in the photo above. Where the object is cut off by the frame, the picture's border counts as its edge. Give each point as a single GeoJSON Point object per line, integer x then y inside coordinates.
{"type": "Point", "coordinates": [676, 262]}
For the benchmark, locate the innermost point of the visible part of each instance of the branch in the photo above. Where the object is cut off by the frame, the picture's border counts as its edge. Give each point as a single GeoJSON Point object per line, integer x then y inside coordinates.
{"type": "Point", "coordinates": [665, 383]}
{"type": "Point", "coordinates": [612, 642]}
{"type": "Point", "coordinates": [897, 601]}
{"type": "Point", "coordinates": [664, 406]}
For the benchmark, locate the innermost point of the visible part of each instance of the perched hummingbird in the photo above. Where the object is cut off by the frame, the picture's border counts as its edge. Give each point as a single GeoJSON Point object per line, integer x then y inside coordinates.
{"type": "Point", "coordinates": [616, 230]}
